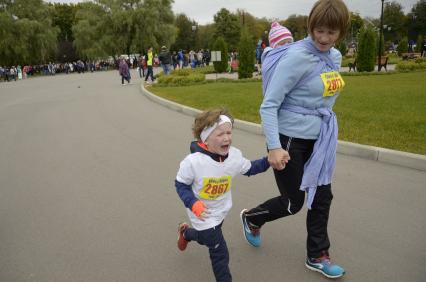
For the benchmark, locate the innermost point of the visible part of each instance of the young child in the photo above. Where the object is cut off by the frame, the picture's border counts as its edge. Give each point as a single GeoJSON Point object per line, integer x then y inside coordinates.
{"type": "Point", "coordinates": [204, 184]}
{"type": "Point", "coordinates": [279, 35]}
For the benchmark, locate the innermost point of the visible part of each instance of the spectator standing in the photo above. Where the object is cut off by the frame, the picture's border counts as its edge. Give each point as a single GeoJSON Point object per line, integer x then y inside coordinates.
{"type": "Point", "coordinates": [124, 71]}
{"type": "Point", "coordinates": [149, 63]}
{"type": "Point", "coordinates": [180, 58]}
{"type": "Point", "coordinates": [165, 60]}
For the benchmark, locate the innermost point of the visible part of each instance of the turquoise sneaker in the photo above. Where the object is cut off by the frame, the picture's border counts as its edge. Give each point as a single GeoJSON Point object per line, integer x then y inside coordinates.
{"type": "Point", "coordinates": [251, 234]}
{"type": "Point", "coordinates": [325, 266]}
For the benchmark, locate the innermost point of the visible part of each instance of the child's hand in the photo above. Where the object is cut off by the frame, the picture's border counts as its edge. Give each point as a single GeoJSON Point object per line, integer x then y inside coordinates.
{"type": "Point", "coordinates": [278, 158]}
{"type": "Point", "coordinates": [200, 209]}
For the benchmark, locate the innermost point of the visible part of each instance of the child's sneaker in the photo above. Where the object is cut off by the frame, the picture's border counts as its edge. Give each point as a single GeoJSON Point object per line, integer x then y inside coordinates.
{"type": "Point", "coordinates": [325, 266]}
{"type": "Point", "coordinates": [181, 241]}
{"type": "Point", "coordinates": [251, 233]}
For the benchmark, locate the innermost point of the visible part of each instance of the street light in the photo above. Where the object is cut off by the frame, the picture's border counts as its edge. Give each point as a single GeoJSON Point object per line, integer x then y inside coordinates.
{"type": "Point", "coordinates": [379, 60]}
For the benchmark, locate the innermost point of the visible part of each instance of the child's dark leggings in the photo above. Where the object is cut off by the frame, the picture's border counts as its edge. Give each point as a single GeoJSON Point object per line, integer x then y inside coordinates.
{"type": "Point", "coordinates": [292, 199]}
{"type": "Point", "coordinates": [219, 255]}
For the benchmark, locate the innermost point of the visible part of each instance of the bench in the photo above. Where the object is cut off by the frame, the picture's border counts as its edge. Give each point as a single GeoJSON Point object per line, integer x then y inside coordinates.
{"type": "Point", "coordinates": [383, 62]}
{"type": "Point", "coordinates": [409, 56]}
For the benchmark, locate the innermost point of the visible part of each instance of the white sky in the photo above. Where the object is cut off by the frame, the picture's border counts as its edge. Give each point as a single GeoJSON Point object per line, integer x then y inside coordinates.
{"type": "Point", "coordinates": [202, 11]}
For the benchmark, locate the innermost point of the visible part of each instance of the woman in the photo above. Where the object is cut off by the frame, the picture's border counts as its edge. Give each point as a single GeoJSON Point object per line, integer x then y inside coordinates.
{"type": "Point", "coordinates": [301, 132]}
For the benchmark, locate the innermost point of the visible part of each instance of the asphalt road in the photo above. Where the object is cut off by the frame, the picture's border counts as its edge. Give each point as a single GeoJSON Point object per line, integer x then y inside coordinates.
{"type": "Point", "coordinates": [87, 168]}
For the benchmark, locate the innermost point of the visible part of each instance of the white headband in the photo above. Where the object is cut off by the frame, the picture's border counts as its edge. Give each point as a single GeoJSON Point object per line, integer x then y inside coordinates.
{"type": "Point", "coordinates": [208, 130]}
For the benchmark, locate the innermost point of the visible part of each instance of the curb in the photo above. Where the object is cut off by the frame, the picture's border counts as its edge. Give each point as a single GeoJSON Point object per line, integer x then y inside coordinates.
{"type": "Point", "coordinates": [383, 155]}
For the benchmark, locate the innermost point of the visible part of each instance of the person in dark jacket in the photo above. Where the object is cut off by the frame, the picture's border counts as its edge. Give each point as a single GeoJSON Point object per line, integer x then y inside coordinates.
{"type": "Point", "coordinates": [123, 70]}
{"type": "Point", "coordinates": [165, 60]}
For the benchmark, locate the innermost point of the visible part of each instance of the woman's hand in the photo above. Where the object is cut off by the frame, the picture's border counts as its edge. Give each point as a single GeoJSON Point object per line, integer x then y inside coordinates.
{"type": "Point", "coordinates": [278, 158]}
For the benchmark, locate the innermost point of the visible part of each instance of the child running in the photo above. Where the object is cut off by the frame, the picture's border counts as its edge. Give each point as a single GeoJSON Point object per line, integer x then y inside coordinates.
{"type": "Point", "coordinates": [204, 184]}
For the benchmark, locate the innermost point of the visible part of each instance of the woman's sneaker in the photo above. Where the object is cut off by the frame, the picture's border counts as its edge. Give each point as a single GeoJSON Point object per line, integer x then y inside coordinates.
{"type": "Point", "coordinates": [325, 266]}
{"type": "Point", "coordinates": [251, 233]}
{"type": "Point", "coordinates": [181, 241]}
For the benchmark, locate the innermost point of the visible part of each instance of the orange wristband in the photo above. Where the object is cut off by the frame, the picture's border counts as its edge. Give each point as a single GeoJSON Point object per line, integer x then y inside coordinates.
{"type": "Point", "coordinates": [198, 208]}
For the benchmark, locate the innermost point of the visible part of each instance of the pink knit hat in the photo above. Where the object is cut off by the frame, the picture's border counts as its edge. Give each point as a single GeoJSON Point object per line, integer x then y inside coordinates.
{"type": "Point", "coordinates": [278, 33]}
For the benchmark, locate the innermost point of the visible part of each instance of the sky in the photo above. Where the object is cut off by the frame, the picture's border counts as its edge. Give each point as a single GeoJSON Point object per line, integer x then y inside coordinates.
{"type": "Point", "coordinates": [202, 11]}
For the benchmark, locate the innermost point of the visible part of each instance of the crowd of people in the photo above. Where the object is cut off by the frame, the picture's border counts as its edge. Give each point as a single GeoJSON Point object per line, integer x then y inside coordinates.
{"type": "Point", "coordinates": [15, 73]}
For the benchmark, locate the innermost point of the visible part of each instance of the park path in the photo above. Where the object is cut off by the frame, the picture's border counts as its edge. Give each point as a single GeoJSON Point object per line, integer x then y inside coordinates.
{"type": "Point", "coordinates": [87, 169]}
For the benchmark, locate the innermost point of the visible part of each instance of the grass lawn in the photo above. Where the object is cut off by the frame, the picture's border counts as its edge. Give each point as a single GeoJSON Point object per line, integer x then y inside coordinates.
{"type": "Point", "coordinates": [381, 110]}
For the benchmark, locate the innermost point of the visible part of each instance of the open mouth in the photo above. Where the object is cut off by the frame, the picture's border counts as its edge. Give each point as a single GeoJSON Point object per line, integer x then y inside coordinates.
{"type": "Point", "coordinates": [225, 147]}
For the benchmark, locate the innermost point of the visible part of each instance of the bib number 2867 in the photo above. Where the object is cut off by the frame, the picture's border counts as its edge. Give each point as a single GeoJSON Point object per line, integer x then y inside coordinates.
{"type": "Point", "coordinates": [214, 187]}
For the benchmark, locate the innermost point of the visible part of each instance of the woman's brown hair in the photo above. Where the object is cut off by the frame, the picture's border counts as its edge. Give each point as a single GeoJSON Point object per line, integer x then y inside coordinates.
{"type": "Point", "coordinates": [332, 14]}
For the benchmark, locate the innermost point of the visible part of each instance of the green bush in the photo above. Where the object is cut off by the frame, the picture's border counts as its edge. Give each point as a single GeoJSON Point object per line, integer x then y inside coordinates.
{"type": "Point", "coordinates": [402, 46]}
{"type": "Point", "coordinates": [181, 77]}
{"type": "Point", "coordinates": [246, 56]}
{"type": "Point", "coordinates": [418, 64]}
{"type": "Point", "coordinates": [220, 45]}
{"type": "Point", "coordinates": [366, 55]}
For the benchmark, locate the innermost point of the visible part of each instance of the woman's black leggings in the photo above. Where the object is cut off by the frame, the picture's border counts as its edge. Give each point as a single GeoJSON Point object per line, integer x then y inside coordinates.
{"type": "Point", "coordinates": [292, 198]}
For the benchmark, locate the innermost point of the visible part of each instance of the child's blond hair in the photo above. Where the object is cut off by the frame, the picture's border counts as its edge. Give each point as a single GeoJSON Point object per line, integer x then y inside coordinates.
{"type": "Point", "coordinates": [207, 119]}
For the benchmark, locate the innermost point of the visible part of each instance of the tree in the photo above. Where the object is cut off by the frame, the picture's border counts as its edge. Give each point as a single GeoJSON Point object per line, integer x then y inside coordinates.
{"type": "Point", "coordinates": [255, 26]}
{"type": "Point", "coordinates": [402, 46]}
{"type": "Point", "coordinates": [91, 32]}
{"type": "Point", "coordinates": [298, 25]}
{"type": "Point", "coordinates": [418, 14]}
{"type": "Point", "coordinates": [356, 24]}
{"type": "Point", "coordinates": [117, 27]}
{"type": "Point", "coordinates": [366, 56]}
{"type": "Point", "coordinates": [220, 45]}
{"type": "Point", "coordinates": [63, 17]}
{"type": "Point", "coordinates": [246, 55]}
{"type": "Point", "coordinates": [26, 32]}
{"type": "Point", "coordinates": [228, 27]}
{"type": "Point", "coordinates": [206, 35]}
{"type": "Point", "coordinates": [185, 38]}
{"type": "Point", "coordinates": [393, 21]}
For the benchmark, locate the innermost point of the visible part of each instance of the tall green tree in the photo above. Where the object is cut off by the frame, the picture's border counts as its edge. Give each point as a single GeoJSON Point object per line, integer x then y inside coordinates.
{"type": "Point", "coordinates": [366, 56]}
{"type": "Point", "coordinates": [63, 17]}
{"type": "Point", "coordinates": [26, 32]}
{"type": "Point", "coordinates": [246, 54]}
{"type": "Point", "coordinates": [124, 27]}
{"type": "Point", "coordinates": [91, 32]}
{"type": "Point", "coordinates": [418, 15]}
{"type": "Point", "coordinates": [220, 45]}
{"type": "Point", "coordinates": [402, 46]}
{"type": "Point", "coordinates": [298, 25]}
{"type": "Point", "coordinates": [356, 24]}
{"type": "Point", "coordinates": [227, 26]}
{"type": "Point", "coordinates": [393, 21]}
{"type": "Point", "coordinates": [186, 34]}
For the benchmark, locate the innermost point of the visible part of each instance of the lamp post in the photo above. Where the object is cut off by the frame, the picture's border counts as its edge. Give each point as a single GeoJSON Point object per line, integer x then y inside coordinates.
{"type": "Point", "coordinates": [379, 57]}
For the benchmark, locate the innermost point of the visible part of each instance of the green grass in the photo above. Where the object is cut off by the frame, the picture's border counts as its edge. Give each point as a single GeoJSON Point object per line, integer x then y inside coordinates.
{"type": "Point", "coordinates": [385, 110]}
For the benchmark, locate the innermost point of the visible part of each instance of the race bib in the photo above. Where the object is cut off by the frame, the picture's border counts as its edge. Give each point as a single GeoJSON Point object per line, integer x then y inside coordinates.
{"type": "Point", "coordinates": [333, 83]}
{"type": "Point", "coordinates": [214, 187]}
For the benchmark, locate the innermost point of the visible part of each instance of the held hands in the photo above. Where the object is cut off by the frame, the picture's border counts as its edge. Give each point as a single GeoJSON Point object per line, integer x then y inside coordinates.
{"type": "Point", "coordinates": [200, 210]}
{"type": "Point", "coordinates": [278, 158]}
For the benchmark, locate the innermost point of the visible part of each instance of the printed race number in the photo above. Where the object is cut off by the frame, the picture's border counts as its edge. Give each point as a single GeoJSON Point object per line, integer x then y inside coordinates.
{"type": "Point", "coordinates": [333, 83]}
{"type": "Point", "coordinates": [214, 187]}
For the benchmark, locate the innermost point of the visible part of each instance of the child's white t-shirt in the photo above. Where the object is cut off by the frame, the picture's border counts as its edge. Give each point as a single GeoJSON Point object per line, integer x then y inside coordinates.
{"type": "Point", "coordinates": [211, 182]}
